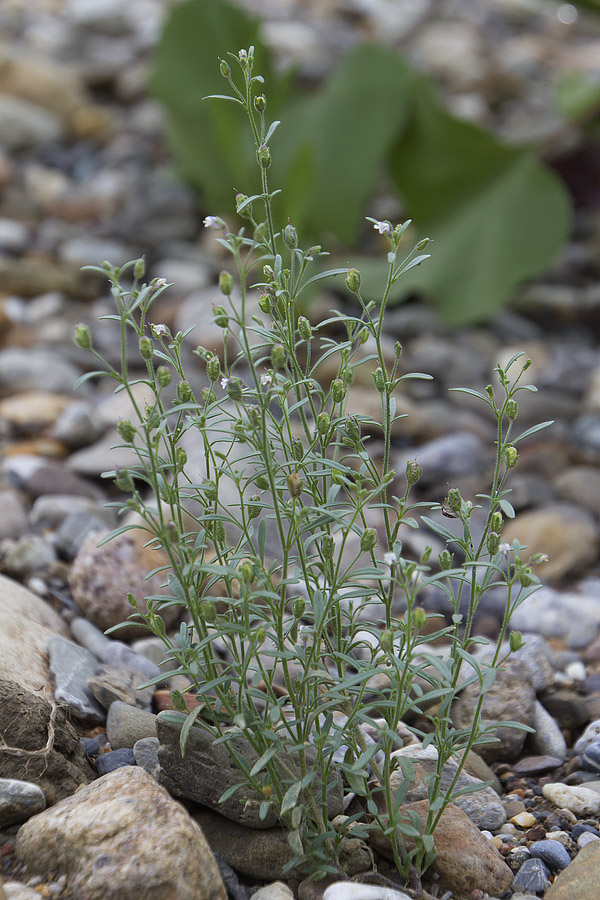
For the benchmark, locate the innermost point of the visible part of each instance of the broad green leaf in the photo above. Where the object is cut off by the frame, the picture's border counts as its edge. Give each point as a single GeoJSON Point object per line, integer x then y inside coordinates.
{"type": "Point", "coordinates": [577, 93]}
{"type": "Point", "coordinates": [497, 216]}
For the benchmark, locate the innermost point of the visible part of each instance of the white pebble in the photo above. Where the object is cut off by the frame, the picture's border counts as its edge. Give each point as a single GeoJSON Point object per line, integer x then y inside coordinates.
{"type": "Point", "coordinates": [586, 838]}
{"type": "Point", "coordinates": [579, 800]}
{"type": "Point", "coordinates": [349, 890]}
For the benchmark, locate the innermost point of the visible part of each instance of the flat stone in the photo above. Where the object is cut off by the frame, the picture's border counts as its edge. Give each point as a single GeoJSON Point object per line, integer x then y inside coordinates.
{"type": "Point", "coordinates": [112, 684]}
{"type": "Point", "coordinates": [22, 557]}
{"type": "Point", "coordinates": [18, 801]}
{"type": "Point", "coordinates": [580, 800]}
{"type": "Point", "coordinates": [105, 840]}
{"type": "Point", "coordinates": [208, 770]}
{"type": "Point", "coordinates": [533, 876]}
{"type": "Point", "coordinates": [71, 666]}
{"type": "Point", "coordinates": [548, 739]}
{"type": "Point", "coordinates": [145, 752]}
{"type": "Point", "coordinates": [114, 759]}
{"type": "Point", "coordinates": [125, 725]}
{"type": "Point", "coordinates": [345, 890]}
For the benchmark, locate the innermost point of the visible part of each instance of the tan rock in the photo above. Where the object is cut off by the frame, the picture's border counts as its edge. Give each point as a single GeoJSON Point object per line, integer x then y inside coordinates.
{"type": "Point", "coordinates": [580, 878]}
{"type": "Point", "coordinates": [33, 410]}
{"type": "Point", "coordinates": [101, 577]}
{"type": "Point", "coordinates": [28, 623]}
{"type": "Point", "coordinates": [567, 534]}
{"type": "Point", "coordinates": [466, 860]}
{"type": "Point", "coordinates": [124, 836]}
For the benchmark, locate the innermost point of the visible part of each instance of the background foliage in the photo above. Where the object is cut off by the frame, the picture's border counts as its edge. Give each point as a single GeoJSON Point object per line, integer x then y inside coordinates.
{"type": "Point", "coordinates": [498, 216]}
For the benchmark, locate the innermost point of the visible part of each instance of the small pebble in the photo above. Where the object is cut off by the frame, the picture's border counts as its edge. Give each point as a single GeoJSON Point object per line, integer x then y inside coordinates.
{"type": "Point", "coordinates": [114, 759]}
{"type": "Point", "coordinates": [586, 838]}
{"type": "Point", "coordinates": [590, 759]}
{"type": "Point", "coordinates": [579, 800]}
{"type": "Point", "coordinates": [533, 876]}
{"type": "Point", "coordinates": [552, 853]}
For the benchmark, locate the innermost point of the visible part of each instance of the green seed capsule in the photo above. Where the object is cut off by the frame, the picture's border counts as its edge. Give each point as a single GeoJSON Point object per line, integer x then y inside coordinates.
{"type": "Point", "coordinates": [413, 472]}
{"type": "Point", "coordinates": [139, 269]}
{"type": "Point", "coordinates": [327, 546]}
{"type": "Point", "coordinates": [304, 329]}
{"type": "Point", "coordinates": [213, 368]}
{"type": "Point", "coordinates": [294, 483]}
{"type": "Point", "coordinates": [260, 103]}
{"type": "Point", "coordinates": [145, 347]}
{"type": "Point", "coordinates": [493, 543]}
{"type": "Point", "coordinates": [226, 283]}
{"type": "Point", "coordinates": [184, 392]}
{"type": "Point", "coordinates": [298, 448]}
{"type": "Point", "coordinates": [323, 423]}
{"type": "Point", "coordinates": [263, 156]}
{"type": "Point", "coordinates": [511, 410]}
{"type": "Point", "coordinates": [220, 317]}
{"type": "Point", "coordinates": [516, 641]}
{"type": "Point", "coordinates": [180, 458]}
{"type": "Point", "coordinates": [265, 303]}
{"type": "Point", "coordinates": [278, 356]}
{"type": "Point", "coordinates": [246, 572]}
{"type": "Point", "coordinates": [386, 641]}
{"type": "Point", "coordinates": [208, 611]}
{"type": "Point", "coordinates": [83, 336]}
{"type": "Point", "coordinates": [126, 431]}
{"type": "Point", "coordinates": [178, 701]}
{"type": "Point", "coordinates": [368, 539]}
{"type": "Point", "coordinates": [224, 69]}
{"type": "Point", "coordinates": [446, 560]}
{"type": "Point", "coordinates": [123, 479]}
{"type": "Point", "coordinates": [379, 380]}
{"type": "Point", "coordinates": [163, 376]}
{"type": "Point", "coordinates": [298, 607]}
{"type": "Point", "coordinates": [290, 236]}
{"type": "Point", "coordinates": [496, 523]}
{"type": "Point", "coordinates": [353, 280]}
{"type": "Point", "coordinates": [419, 618]}
{"type": "Point", "coordinates": [511, 457]}
{"type": "Point", "coordinates": [338, 391]}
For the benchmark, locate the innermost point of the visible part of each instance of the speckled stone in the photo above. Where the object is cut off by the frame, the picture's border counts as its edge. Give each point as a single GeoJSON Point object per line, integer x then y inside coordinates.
{"type": "Point", "coordinates": [19, 800]}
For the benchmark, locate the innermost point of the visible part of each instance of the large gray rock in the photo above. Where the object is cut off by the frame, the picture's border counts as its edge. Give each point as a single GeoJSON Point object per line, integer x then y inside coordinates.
{"type": "Point", "coordinates": [510, 698]}
{"type": "Point", "coordinates": [71, 666]}
{"type": "Point", "coordinates": [122, 836]}
{"type": "Point", "coordinates": [208, 770]}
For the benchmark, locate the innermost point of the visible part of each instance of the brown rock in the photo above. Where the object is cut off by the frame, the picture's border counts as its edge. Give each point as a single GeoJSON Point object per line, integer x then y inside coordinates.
{"type": "Point", "coordinates": [466, 860]}
{"type": "Point", "coordinates": [38, 743]}
{"type": "Point", "coordinates": [101, 577]}
{"type": "Point", "coordinates": [32, 410]}
{"type": "Point", "coordinates": [122, 836]}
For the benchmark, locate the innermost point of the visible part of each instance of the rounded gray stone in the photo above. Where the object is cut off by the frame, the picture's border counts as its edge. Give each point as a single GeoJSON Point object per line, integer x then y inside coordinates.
{"type": "Point", "coordinates": [19, 800]}
{"type": "Point", "coordinates": [126, 725]}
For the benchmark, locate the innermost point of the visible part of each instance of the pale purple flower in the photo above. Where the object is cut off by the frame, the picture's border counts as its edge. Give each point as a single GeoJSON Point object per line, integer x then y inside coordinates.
{"type": "Point", "coordinates": [266, 380]}
{"type": "Point", "coordinates": [382, 227]}
{"type": "Point", "coordinates": [159, 330]}
{"type": "Point", "coordinates": [214, 222]}
{"type": "Point", "coordinates": [225, 382]}
{"type": "Point", "coordinates": [390, 559]}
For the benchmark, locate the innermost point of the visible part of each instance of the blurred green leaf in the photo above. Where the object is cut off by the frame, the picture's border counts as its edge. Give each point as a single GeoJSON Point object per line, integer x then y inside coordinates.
{"type": "Point", "coordinates": [577, 93]}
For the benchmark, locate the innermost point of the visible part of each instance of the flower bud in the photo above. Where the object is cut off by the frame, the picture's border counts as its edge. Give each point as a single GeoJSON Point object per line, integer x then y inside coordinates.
{"type": "Point", "coordinates": [246, 212]}
{"type": "Point", "coordinates": [145, 347]}
{"type": "Point", "coordinates": [298, 448]}
{"type": "Point", "coordinates": [163, 376]}
{"type": "Point", "coordinates": [213, 368]}
{"type": "Point", "coordinates": [511, 410]}
{"type": "Point", "coordinates": [224, 69]}
{"type": "Point", "coordinates": [420, 245]}
{"type": "Point", "coordinates": [139, 269]}
{"type": "Point", "coordinates": [490, 391]}
{"type": "Point", "coordinates": [304, 329]}
{"type": "Point", "coordinates": [123, 479]}
{"type": "Point", "coordinates": [126, 430]}
{"type": "Point", "coordinates": [386, 641]}
{"type": "Point", "coordinates": [260, 635]}
{"type": "Point", "coordinates": [226, 283]}
{"type": "Point", "coordinates": [446, 560]}
{"type": "Point", "coordinates": [493, 543]}
{"type": "Point", "coordinates": [511, 457]}
{"type": "Point", "coordinates": [294, 483]}
{"type": "Point", "coordinates": [260, 232]}
{"type": "Point", "coordinates": [338, 391]}
{"type": "Point", "coordinates": [413, 472]}
{"type": "Point", "coordinates": [178, 701]}
{"type": "Point", "coordinates": [278, 356]}
{"type": "Point", "coordinates": [208, 611]}
{"type": "Point", "coordinates": [246, 572]}
{"type": "Point", "coordinates": [263, 156]}
{"type": "Point", "coordinates": [526, 576]}
{"type": "Point", "coordinates": [353, 280]}
{"type": "Point", "coordinates": [363, 336]}
{"type": "Point", "coordinates": [515, 641]}
{"type": "Point", "coordinates": [184, 392]}
{"type": "Point", "coordinates": [454, 500]}
{"type": "Point", "coordinates": [379, 379]}
{"type": "Point", "coordinates": [368, 539]}
{"type": "Point", "coordinates": [425, 555]}
{"type": "Point", "coordinates": [180, 458]}
{"type": "Point", "coordinates": [265, 303]}
{"type": "Point", "coordinates": [398, 349]}
{"type": "Point", "coordinates": [419, 618]}
{"type": "Point", "coordinates": [298, 607]}
{"type": "Point", "coordinates": [260, 103]}
{"type": "Point", "coordinates": [327, 546]}
{"type": "Point", "coordinates": [290, 236]}
{"type": "Point", "coordinates": [83, 336]}
{"type": "Point", "coordinates": [220, 317]}
{"type": "Point", "coordinates": [353, 429]}
{"type": "Point", "coordinates": [323, 423]}
{"type": "Point", "coordinates": [496, 522]}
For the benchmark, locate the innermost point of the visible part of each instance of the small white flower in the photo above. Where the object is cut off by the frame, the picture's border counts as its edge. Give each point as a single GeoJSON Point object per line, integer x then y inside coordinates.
{"type": "Point", "coordinates": [214, 222]}
{"type": "Point", "coordinates": [159, 283]}
{"type": "Point", "coordinates": [159, 330]}
{"type": "Point", "coordinates": [225, 382]}
{"type": "Point", "coordinates": [390, 559]}
{"type": "Point", "coordinates": [383, 227]}
{"type": "Point", "coordinates": [266, 380]}
{"type": "Point", "coordinates": [505, 549]}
